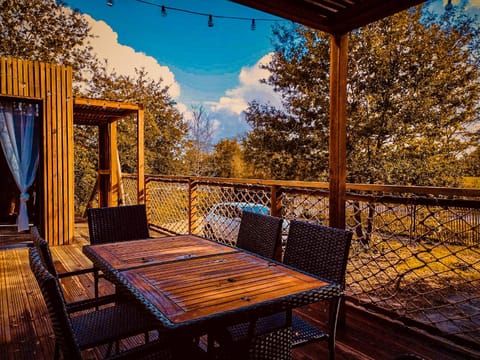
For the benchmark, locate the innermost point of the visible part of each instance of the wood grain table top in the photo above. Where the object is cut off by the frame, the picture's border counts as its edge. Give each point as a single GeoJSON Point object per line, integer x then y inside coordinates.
{"type": "Point", "coordinates": [205, 287]}
{"type": "Point", "coordinates": [187, 280]}
{"type": "Point", "coordinates": [138, 253]}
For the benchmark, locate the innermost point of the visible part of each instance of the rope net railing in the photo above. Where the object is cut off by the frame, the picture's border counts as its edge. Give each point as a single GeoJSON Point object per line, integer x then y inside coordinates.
{"type": "Point", "coordinates": [415, 254]}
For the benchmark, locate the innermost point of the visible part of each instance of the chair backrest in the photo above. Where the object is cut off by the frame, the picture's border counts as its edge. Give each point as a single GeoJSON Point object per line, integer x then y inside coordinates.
{"type": "Point", "coordinates": [122, 223]}
{"type": "Point", "coordinates": [260, 233]}
{"type": "Point", "coordinates": [318, 249]}
{"type": "Point", "coordinates": [53, 296]}
{"type": "Point", "coordinates": [43, 249]}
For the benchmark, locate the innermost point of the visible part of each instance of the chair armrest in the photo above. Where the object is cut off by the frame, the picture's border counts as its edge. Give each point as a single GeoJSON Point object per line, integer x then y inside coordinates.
{"type": "Point", "coordinates": [87, 304]}
{"type": "Point", "coordinates": [75, 273]}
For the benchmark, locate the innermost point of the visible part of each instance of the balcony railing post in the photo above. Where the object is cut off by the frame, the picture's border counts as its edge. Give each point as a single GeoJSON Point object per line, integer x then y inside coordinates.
{"type": "Point", "coordinates": [192, 206]}
{"type": "Point", "coordinates": [276, 201]}
{"type": "Point", "coordinates": [148, 198]}
{"type": "Point", "coordinates": [276, 207]}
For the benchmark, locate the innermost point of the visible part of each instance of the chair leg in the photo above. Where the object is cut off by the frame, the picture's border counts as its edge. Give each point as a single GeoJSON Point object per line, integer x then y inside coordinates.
{"type": "Point", "coordinates": [95, 281]}
{"type": "Point", "coordinates": [333, 320]}
{"type": "Point", "coordinates": [56, 355]}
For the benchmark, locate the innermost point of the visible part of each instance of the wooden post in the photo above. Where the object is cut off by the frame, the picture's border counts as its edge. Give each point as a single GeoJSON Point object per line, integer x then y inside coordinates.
{"type": "Point", "coordinates": [338, 129]}
{"type": "Point", "coordinates": [103, 165]}
{"type": "Point", "coordinates": [276, 210]}
{"type": "Point", "coordinates": [140, 157]}
{"type": "Point", "coordinates": [113, 164]}
{"type": "Point", "coordinates": [193, 207]}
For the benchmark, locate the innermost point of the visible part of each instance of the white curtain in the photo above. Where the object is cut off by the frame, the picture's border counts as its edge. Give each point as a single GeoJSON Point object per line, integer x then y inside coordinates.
{"type": "Point", "coordinates": [20, 144]}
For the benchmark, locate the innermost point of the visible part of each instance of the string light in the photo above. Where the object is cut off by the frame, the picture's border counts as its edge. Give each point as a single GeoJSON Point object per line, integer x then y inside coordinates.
{"type": "Point", "coordinates": [163, 12]}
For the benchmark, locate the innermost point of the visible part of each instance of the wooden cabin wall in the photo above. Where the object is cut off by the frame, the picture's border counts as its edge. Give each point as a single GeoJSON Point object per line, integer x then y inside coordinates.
{"type": "Point", "coordinates": [52, 84]}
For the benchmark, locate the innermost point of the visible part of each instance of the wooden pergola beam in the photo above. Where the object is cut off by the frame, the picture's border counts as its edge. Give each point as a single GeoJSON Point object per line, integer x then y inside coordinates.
{"type": "Point", "coordinates": [105, 114]}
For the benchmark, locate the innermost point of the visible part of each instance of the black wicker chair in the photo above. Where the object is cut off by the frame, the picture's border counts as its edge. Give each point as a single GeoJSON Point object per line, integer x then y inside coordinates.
{"type": "Point", "coordinates": [112, 224]}
{"type": "Point", "coordinates": [260, 233]}
{"type": "Point", "coordinates": [89, 329]}
{"type": "Point", "coordinates": [318, 250]}
{"type": "Point", "coordinates": [121, 223]}
{"type": "Point", "coordinates": [322, 251]}
{"type": "Point", "coordinates": [43, 249]}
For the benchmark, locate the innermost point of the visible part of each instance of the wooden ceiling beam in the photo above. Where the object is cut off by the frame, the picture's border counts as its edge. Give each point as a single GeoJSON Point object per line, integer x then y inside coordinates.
{"type": "Point", "coordinates": [335, 17]}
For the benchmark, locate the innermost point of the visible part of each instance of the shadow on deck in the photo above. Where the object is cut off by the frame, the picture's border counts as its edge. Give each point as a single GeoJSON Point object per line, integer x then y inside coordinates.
{"type": "Point", "coordinates": [25, 330]}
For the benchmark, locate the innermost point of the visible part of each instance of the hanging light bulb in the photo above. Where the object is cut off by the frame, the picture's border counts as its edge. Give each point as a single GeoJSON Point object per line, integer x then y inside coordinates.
{"type": "Point", "coordinates": [110, 2]}
{"type": "Point", "coordinates": [164, 11]}
{"type": "Point", "coordinates": [210, 21]}
{"type": "Point", "coordinates": [449, 6]}
{"type": "Point", "coordinates": [253, 26]}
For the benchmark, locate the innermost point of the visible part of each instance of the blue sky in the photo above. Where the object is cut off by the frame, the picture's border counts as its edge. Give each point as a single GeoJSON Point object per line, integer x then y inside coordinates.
{"type": "Point", "coordinates": [217, 67]}
{"type": "Point", "coordinates": [214, 66]}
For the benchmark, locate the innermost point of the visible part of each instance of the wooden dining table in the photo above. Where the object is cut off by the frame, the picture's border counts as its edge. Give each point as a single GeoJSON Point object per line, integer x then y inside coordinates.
{"type": "Point", "coordinates": [191, 283]}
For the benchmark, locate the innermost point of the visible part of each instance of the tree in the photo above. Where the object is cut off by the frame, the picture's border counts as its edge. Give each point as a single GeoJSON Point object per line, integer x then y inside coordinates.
{"type": "Point", "coordinates": [292, 142]}
{"type": "Point", "coordinates": [197, 159]}
{"type": "Point", "coordinates": [165, 128]}
{"type": "Point", "coordinates": [228, 159]}
{"type": "Point", "coordinates": [412, 90]}
{"type": "Point", "coordinates": [473, 163]}
{"type": "Point", "coordinates": [45, 30]}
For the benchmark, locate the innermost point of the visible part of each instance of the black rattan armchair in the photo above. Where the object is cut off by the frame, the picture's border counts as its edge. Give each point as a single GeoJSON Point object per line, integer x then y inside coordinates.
{"type": "Point", "coordinates": [112, 224]}
{"type": "Point", "coordinates": [322, 251]}
{"type": "Point", "coordinates": [318, 250]}
{"type": "Point", "coordinates": [43, 249]}
{"type": "Point", "coordinates": [260, 233]}
{"type": "Point", "coordinates": [89, 329]}
{"type": "Point", "coordinates": [121, 223]}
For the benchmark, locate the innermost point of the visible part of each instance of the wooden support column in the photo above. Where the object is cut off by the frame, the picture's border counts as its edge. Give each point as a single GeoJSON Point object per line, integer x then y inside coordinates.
{"type": "Point", "coordinates": [103, 161]}
{"type": "Point", "coordinates": [140, 157]}
{"type": "Point", "coordinates": [108, 165]}
{"type": "Point", "coordinates": [113, 164]}
{"type": "Point", "coordinates": [338, 129]}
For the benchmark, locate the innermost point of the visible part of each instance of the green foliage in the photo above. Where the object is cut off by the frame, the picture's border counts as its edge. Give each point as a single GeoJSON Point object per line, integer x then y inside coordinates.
{"type": "Point", "coordinates": [164, 126]}
{"type": "Point", "coordinates": [413, 89]}
{"type": "Point", "coordinates": [472, 163]}
{"type": "Point", "coordinates": [44, 30]}
{"type": "Point", "coordinates": [86, 165]}
{"type": "Point", "coordinates": [228, 159]}
{"type": "Point", "coordinates": [292, 143]}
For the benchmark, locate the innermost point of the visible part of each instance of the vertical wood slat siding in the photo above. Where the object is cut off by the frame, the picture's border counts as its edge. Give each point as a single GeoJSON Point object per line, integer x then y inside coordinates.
{"type": "Point", "coordinates": [69, 220]}
{"type": "Point", "coordinates": [53, 85]}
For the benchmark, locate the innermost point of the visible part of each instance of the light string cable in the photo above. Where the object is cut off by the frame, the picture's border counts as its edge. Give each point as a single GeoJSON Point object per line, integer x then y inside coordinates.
{"type": "Point", "coordinates": [253, 20]}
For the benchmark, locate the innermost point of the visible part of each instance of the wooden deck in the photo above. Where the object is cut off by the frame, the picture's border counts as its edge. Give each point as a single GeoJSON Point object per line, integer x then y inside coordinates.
{"type": "Point", "coordinates": [25, 331]}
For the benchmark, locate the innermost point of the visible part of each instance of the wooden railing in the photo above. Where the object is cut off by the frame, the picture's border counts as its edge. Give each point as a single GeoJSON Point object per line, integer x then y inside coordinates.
{"type": "Point", "coordinates": [415, 253]}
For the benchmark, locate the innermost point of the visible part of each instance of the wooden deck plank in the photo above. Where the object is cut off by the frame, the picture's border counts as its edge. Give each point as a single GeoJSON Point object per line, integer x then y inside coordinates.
{"type": "Point", "coordinates": [26, 331]}
{"type": "Point", "coordinates": [5, 335]}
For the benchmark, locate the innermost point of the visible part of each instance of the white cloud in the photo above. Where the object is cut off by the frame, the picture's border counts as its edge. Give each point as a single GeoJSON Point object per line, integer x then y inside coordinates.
{"type": "Point", "coordinates": [227, 114]}
{"type": "Point", "coordinates": [236, 100]}
{"type": "Point", "coordinates": [124, 59]}
{"type": "Point", "coordinates": [471, 3]}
